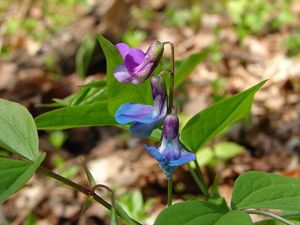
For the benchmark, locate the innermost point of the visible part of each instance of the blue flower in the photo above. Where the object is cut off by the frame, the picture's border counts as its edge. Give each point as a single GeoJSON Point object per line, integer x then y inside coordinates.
{"type": "Point", "coordinates": [138, 66]}
{"type": "Point", "coordinates": [170, 153]}
{"type": "Point", "coordinates": [145, 118]}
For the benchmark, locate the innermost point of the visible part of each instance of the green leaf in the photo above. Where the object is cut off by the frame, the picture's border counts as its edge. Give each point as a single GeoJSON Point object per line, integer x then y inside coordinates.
{"type": "Point", "coordinates": [235, 218]}
{"type": "Point", "coordinates": [15, 174]}
{"type": "Point", "coordinates": [191, 213]}
{"type": "Point", "coordinates": [120, 93]}
{"type": "Point", "coordinates": [265, 190]}
{"type": "Point", "coordinates": [89, 93]}
{"type": "Point", "coordinates": [89, 175]}
{"type": "Point", "coordinates": [186, 66]}
{"type": "Point", "coordinates": [227, 150]}
{"type": "Point", "coordinates": [18, 132]}
{"type": "Point", "coordinates": [95, 114]}
{"type": "Point", "coordinates": [84, 55]}
{"type": "Point", "coordinates": [211, 121]}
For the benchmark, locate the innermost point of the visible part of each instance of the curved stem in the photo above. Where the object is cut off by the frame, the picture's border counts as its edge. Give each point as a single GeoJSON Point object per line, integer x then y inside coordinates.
{"type": "Point", "coordinates": [172, 76]}
{"type": "Point", "coordinates": [97, 186]}
{"type": "Point", "coordinates": [86, 191]}
{"type": "Point", "coordinates": [170, 193]}
{"type": "Point", "coordinates": [268, 214]}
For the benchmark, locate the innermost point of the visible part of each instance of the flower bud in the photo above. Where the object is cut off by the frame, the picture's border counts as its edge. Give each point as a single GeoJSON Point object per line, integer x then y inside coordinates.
{"type": "Point", "coordinates": [171, 125]}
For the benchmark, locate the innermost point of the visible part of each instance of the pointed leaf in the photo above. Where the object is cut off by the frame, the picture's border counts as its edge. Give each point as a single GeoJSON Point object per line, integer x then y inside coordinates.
{"type": "Point", "coordinates": [265, 190]}
{"type": "Point", "coordinates": [120, 93]}
{"type": "Point", "coordinates": [95, 114]}
{"type": "Point", "coordinates": [18, 132]}
{"type": "Point", "coordinates": [186, 66]}
{"type": "Point", "coordinates": [15, 174]}
{"type": "Point", "coordinates": [89, 175]}
{"type": "Point", "coordinates": [215, 118]}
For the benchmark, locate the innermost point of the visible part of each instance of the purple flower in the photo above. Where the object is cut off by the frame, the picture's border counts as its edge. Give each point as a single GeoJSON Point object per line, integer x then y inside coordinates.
{"type": "Point", "coordinates": [145, 118]}
{"type": "Point", "coordinates": [170, 153]}
{"type": "Point", "coordinates": [138, 66]}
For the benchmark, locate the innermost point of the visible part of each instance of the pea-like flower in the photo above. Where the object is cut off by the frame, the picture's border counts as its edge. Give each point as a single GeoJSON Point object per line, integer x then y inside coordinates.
{"type": "Point", "coordinates": [170, 153]}
{"type": "Point", "coordinates": [145, 118]}
{"type": "Point", "coordinates": [138, 66]}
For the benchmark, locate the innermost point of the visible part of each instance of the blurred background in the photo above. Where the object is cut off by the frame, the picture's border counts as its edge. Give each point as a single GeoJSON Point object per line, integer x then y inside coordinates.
{"type": "Point", "coordinates": [48, 50]}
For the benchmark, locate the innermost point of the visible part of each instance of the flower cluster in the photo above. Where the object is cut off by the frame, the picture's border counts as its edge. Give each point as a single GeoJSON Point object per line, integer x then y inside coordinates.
{"type": "Point", "coordinates": [137, 67]}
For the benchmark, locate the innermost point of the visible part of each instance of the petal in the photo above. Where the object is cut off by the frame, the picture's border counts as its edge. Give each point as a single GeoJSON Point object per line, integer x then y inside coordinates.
{"type": "Point", "coordinates": [131, 112]}
{"type": "Point", "coordinates": [155, 153]}
{"type": "Point", "coordinates": [123, 49]}
{"type": "Point", "coordinates": [134, 58]}
{"type": "Point", "coordinates": [184, 158]}
{"type": "Point", "coordinates": [143, 130]}
{"type": "Point", "coordinates": [122, 75]}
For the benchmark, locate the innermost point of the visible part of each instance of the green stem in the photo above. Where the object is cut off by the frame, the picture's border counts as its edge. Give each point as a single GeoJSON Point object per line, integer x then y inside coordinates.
{"type": "Point", "coordinates": [172, 76]}
{"type": "Point", "coordinates": [268, 214]}
{"type": "Point", "coordinates": [170, 194]}
{"type": "Point", "coordinates": [201, 179]}
{"type": "Point", "coordinates": [88, 192]}
{"type": "Point", "coordinates": [196, 178]}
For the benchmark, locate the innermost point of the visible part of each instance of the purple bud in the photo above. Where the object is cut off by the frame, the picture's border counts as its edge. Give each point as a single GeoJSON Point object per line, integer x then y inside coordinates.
{"type": "Point", "coordinates": [158, 86]}
{"type": "Point", "coordinates": [171, 125]}
{"type": "Point", "coordinates": [155, 52]}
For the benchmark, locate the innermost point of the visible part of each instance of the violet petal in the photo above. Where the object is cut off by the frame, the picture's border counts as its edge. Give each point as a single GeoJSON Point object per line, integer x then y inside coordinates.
{"type": "Point", "coordinates": [123, 49]}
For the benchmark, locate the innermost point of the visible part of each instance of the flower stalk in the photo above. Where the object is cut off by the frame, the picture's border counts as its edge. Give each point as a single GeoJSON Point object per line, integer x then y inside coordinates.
{"type": "Point", "coordinates": [170, 191]}
{"type": "Point", "coordinates": [172, 76]}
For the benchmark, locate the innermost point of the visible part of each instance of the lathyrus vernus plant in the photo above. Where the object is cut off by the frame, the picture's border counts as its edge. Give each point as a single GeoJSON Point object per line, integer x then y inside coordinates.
{"type": "Point", "coordinates": [133, 94]}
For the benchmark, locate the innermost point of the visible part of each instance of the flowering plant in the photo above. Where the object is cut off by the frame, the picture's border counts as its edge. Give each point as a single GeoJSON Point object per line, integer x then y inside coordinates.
{"type": "Point", "coordinates": [133, 94]}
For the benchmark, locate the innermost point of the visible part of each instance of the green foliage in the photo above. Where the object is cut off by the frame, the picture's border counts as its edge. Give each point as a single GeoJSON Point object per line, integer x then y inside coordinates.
{"type": "Point", "coordinates": [30, 219]}
{"type": "Point", "coordinates": [70, 172]}
{"type": "Point", "coordinates": [57, 13]}
{"type": "Point", "coordinates": [186, 66]}
{"type": "Point", "coordinates": [292, 43]}
{"type": "Point", "coordinates": [220, 152]}
{"type": "Point", "coordinates": [95, 114]}
{"type": "Point", "coordinates": [191, 213]}
{"type": "Point", "coordinates": [264, 190]}
{"type": "Point", "coordinates": [135, 206]}
{"type": "Point", "coordinates": [218, 92]}
{"type": "Point", "coordinates": [89, 93]}
{"type": "Point", "coordinates": [134, 37]}
{"type": "Point", "coordinates": [211, 121]}
{"type": "Point", "coordinates": [130, 92]}
{"type": "Point", "coordinates": [18, 132]}
{"type": "Point", "coordinates": [184, 16]}
{"type": "Point", "coordinates": [89, 175]}
{"type": "Point", "coordinates": [57, 138]}
{"type": "Point", "coordinates": [84, 55]}
{"type": "Point", "coordinates": [252, 17]}
{"type": "Point", "coordinates": [15, 174]}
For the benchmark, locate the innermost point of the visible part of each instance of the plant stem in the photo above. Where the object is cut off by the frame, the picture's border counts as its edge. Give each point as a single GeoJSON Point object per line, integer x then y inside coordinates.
{"type": "Point", "coordinates": [200, 184]}
{"type": "Point", "coordinates": [172, 76]}
{"type": "Point", "coordinates": [170, 194]}
{"type": "Point", "coordinates": [268, 214]}
{"type": "Point", "coordinates": [86, 191]}
{"type": "Point", "coordinates": [201, 178]}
